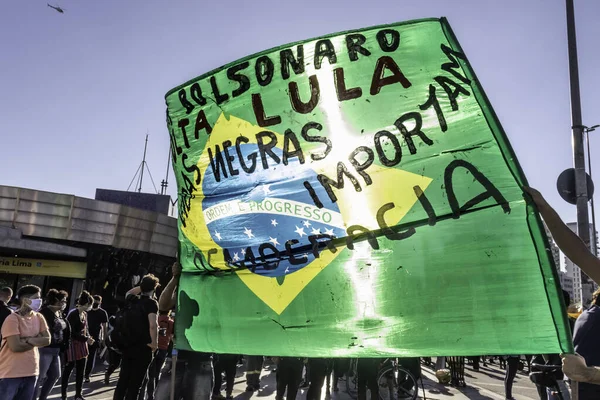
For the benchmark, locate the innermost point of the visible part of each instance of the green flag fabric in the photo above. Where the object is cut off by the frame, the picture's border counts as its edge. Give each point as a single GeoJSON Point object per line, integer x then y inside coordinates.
{"type": "Point", "coordinates": [355, 195]}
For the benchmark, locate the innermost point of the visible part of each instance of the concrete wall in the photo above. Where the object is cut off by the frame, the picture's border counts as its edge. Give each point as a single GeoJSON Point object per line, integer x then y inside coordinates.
{"type": "Point", "coordinates": [76, 219]}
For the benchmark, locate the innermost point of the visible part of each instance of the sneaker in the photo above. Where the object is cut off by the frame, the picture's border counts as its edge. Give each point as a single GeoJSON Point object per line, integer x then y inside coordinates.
{"type": "Point", "coordinates": [249, 388]}
{"type": "Point", "coordinates": [78, 398]}
{"type": "Point", "coordinates": [87, 379]}
{"type": "Point", "coordinates": [229, 397]}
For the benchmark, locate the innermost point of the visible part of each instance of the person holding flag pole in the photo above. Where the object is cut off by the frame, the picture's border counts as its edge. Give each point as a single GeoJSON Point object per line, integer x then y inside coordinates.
{"type": "Point", "coordinates": [192, 372]}
{"type": "Point", "coordinates": [574, 366]}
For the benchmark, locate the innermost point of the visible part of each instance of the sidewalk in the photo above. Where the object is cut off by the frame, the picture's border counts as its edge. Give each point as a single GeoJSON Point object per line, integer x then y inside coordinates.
{"type": "Point", "coordinates": [96, 390]}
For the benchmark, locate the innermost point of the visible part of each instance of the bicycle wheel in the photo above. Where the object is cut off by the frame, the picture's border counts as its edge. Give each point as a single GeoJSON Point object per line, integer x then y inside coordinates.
{"type": "Point", "coordinates": [387, 383]}
{"type": "Point", "coordinates": [351, 379]}
{"type": "Point", "coordinates": [397, 384]}
{"type": "Point", "coordinates": [408, 387]}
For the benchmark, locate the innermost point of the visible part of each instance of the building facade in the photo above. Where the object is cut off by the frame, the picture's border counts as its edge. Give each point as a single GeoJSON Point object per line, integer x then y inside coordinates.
{"type": "Point", "coordinates": [566, 283]}
{"type": "Point", "coordinates": [582, 288]}
{"type": "Point", "coordinates": [72, 243]}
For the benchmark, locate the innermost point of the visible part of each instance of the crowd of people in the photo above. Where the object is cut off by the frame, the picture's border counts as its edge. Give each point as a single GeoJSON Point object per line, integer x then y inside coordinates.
{"type": "Point", "coordinates": [42, 344]}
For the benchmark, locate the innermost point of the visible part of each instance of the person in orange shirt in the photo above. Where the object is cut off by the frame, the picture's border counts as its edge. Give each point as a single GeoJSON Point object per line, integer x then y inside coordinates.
{"type": "Point", "coordinates": [22, 333]}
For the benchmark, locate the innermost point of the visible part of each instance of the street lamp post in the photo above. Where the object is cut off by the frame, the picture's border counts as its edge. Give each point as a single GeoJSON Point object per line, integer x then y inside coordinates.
{"type": "Point", "coordinates": [583, 221]}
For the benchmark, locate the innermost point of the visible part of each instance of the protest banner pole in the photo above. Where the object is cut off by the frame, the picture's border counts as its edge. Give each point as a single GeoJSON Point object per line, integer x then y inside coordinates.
{"type": "Point", "coordinates": [174, 351]}
{"type": "Point", "coordinates": [173, 373]}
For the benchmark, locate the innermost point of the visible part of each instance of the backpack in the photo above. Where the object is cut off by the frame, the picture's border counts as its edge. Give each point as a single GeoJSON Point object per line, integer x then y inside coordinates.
{"type": "Point", "coordinates": [128, 327]}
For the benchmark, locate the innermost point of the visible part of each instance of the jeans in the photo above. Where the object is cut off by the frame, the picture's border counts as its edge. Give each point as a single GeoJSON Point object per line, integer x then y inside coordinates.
{"type": "Point", "coordinates": [318, 369]}
{"type": "Point", "coordinates": [340, 367]}
{"type": "Point", "coordinates": [91, 363]}
{"type": "Point", "coordinates": [114, 362]}
{"type": "Point", "coordinates": [193, 381]}
{"type": "Point", "coordinates": [564, 389]}
{"type": "Point", "coordinates": [253, 370]}
{"type": "Point", "coordinates": [79, 367]}
{"type": "Point", "coordinates": [49, 372]}
{"type": "Point", "coordinates": [134, 367]}
{"type": "Point", "coordinates": [509, 378]}
{"type": "Point", "coordinates": [367, 379]}
{"type": "Point", "coordinates": [17, 388]}
{"type": "Point", "coordinates": [289, 375]}
{"type": "Point", "coordinates": [413, 365]}
{"type": "Point", "coordinates": [225, 363]}
{"type": "Point", "coordinates": [475, 362]}
{"type": "Point", "coordinates": [151, 380]}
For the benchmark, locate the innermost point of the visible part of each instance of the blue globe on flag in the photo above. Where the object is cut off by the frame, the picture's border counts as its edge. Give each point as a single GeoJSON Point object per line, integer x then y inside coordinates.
{"type": "Point", "coordinates": [272, 206]}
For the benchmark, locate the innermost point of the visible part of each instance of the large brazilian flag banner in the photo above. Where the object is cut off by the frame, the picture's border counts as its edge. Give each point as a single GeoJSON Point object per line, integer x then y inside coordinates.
{"type": "Point", "coordinates": [355, 195]}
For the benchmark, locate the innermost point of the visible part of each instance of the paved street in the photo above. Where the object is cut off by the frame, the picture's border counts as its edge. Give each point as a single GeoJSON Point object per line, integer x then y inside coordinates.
{"type": "Point", "coordinates": [491, 378]}
{"type": "Point", "coordinates": [487, 384]}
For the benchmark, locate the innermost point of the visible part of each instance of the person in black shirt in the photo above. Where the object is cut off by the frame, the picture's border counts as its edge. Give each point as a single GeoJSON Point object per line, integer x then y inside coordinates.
{"type": "Point", "coordinates": [5, 296]}
{"type": "Point", "coordinates": [136, 358]}
{"type": "Point", "coordinates": [56, 303]}
{"type": "Point", "coordinates": [97, 320]}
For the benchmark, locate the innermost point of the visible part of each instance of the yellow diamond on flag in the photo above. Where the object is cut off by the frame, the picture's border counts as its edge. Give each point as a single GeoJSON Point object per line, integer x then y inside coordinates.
{"type": "Point", "coordinates": [355, 208]}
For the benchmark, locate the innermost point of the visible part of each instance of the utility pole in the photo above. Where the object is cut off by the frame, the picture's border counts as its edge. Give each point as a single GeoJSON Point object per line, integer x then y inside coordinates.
{"type": "Point", "coordinates": [583, 221]}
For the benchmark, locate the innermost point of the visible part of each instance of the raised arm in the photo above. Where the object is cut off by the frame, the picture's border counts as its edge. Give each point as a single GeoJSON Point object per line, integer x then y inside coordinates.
{"type": "Point", "coordinates": [153, 324]}
{"type": "Point", "coordinates": [566, 239]}
{"type": "Point", "coordinates": [575, 368]}
{"type": "Point", "coordinates": [136, 290]}
{"type": "Point", "coordinates": [168, 297]}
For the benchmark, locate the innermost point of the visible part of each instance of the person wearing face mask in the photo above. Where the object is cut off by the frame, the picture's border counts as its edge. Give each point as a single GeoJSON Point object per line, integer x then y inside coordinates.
{"type": "Point", "coordinates": [22, 333]}
{"type": "Point", "coordinates": [56, 302]}
{"type": "Point", "coordinates": [78, 350]}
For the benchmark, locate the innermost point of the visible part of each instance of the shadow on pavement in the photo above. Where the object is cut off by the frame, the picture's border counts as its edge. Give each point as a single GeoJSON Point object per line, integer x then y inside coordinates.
{"type": "Point", "coordinates": [441, 390]}
{"type": "Point", "coordinates": [475, 393]}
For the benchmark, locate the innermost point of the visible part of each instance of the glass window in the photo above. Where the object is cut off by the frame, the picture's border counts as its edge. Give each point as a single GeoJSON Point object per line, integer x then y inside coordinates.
{"type": "Point", "coordinates": [58, 283]}
{"type": "Point", "coordinates": [31, 280]}
{"type": "Point", "coordinates": [8, 280]}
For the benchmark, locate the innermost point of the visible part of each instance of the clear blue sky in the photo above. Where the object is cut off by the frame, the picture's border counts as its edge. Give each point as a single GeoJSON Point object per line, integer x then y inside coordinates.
{"type": "Point", "coordinates": [79, 90]}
